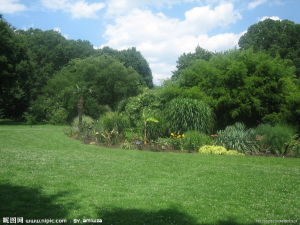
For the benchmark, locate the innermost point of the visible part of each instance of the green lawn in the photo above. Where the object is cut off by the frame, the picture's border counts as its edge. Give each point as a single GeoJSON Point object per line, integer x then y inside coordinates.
{"type": "Point", "coordinates": [45, 174]}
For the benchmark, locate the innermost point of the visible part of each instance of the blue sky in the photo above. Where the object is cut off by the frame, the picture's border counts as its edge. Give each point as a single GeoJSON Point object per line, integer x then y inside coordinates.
{"type": "Point", "coordinates": [161, 29]}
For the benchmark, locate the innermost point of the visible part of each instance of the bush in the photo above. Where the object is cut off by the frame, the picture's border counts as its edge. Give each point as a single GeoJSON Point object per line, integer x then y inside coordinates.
{"type": "Point", "coordinates": [58, 116]}
{"type": "Point", "coordinates": [212, 149]}
{"type": "Point", "coordinates": [155, 129]}
{"type": "Point", "coordinates": [127, 145]}
{"type": "Point", "coordinates": [110, 127]}
{"type": "Point", "coordinates": [71, 132]}
{"type": "Point", "coordinates": [186, 114]}
{"type": "Point", "coordinates": [30, 119]}
{"type": "Point", "coordinates": [294, 147]}
{"type": "Point", "coordinates": [217, 150]}
{"type": "Point", "coordinates": [114, 121]}
{"type": "Point", "coordinates": [132, 136]}
{"type": "Point", "coordinates": [172, 143]}
{"type": "Point", "coordinates": [275, 139]}
{"type": "Point", "coordinates": [237, 137]}
{"type": "Point", "coordinates": [193, 140]}
{"type": "Point", "coordinates": [188, 141]}
{"type": "Point", "coordinates": [87, 122]}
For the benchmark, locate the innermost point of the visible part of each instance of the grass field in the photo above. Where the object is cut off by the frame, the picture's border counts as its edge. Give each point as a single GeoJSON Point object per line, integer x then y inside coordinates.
{"type": "Point", "coordinates": [44, 174]}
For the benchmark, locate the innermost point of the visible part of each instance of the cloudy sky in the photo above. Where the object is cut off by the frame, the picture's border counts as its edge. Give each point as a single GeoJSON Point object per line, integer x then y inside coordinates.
{"type": "Point", "coordinates": [161, 29]}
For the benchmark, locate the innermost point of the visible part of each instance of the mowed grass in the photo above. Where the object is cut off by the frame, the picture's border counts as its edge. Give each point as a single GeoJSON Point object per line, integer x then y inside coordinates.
{"type": "Point", "coordinates": [45, 174]}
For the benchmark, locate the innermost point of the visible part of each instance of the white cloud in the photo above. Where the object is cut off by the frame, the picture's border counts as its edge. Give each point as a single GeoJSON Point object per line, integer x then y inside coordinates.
{"type": "Point", "coordinates": [58, 30]}
{"type": "Point", "coordinates": [11, 6]}
{"type": "Point", "coordinates": [255, 3]}
{"type": "Point", "coordinates": [77, 9]}
{"type": "Point", "coordinates": [162, 39]}
{"type": "Point", "coordinates": [269, 17]}
{"type": "Point", "coordinates": [122, 7]}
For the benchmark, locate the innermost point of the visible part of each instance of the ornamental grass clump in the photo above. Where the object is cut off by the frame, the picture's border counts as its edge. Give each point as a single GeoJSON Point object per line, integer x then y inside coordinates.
{"type": "Point", "coordinates": [275, 139]}
{"type": "Point", "coordinates": [185, 114]}
{"type": "Point", "coordinates": [239, 138]}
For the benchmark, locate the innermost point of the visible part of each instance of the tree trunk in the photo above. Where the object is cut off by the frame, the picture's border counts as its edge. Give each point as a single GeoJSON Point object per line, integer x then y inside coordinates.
{"type": "Point", "coordinates": [80, 112]}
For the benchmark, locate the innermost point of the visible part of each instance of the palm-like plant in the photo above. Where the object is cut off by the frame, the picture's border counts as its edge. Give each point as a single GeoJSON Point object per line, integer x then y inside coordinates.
{"type": "Point", "coordinates": [81, 91]}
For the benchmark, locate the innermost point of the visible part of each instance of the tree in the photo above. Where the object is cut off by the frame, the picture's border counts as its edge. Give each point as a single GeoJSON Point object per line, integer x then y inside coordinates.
{"type": "Point", "coordinates": [187, 59]}
{"type": "Point", "coordinates": [132, 58]}
{"type": "Point", "coordinates": [244, 86]}
{"type": "Point", "coordinates": [277, 37]}
{"type": "Point", "coordinates": [49, 51]}
{"type": "Point", "coordinates": [15, 73]}
{"type": "Point", "coordinates": [108, 79]}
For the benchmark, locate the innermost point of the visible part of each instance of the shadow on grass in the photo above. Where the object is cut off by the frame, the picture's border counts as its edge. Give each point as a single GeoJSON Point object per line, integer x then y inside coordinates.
{"type": "Point", "coordinates": [20, 201]}
{"type": "Point", "coordinates": [170, 216]}
{"type": "Point", "coordinates": [11, 122]}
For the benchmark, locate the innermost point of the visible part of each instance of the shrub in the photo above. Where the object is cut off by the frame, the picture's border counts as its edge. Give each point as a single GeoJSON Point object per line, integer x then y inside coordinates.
{"type": "Point", "coordinates": [58, 116]}
{"type": "Point", "coordinates": [127, 145]}
{"type": "Point", "coordinates": [233, 152]}
{"type": "Point", "coordinates": [294, 147]}
{"type": "Point", "coordinates": [114, 121]}
{"type": "Point", "coordinates": [172, 143]}
{"type": "Point", "coordinates": [30, 119]}
{"type": "Point", "coordinates": [237, 137]}
{"type": "Point", "coordinates": [217, 150]}
{"type": "Point", "coordinates": [110, 127]}
{"type": "Point", "coordinates": [155, 129]}
{"type": "Point", "coordinates": [86, 133]}
{"type": "Point", "coordinates": [186, 114]}
{"type": "Point", "coordinates": [193, 140]}
{"type": "Point", "coordinates": [275, 139]}
{"type": "Point", "coordinates": [87, 121]}
{"type": "Point", "coordinates": [212, 149]}
{"type": "Point", "coordinates": [71, 132]}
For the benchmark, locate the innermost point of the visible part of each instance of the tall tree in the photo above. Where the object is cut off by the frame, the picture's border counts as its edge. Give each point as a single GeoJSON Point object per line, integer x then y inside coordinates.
{"type": "Point", "coordinates": [49, 51]}
{"type": "Point", "coordinates": [15, 73]}
{"type": "Point", "coordinates": [277, 37]}
{"type": "Point", "coordinates": [132, 58]}
{"type": "Point", "coordinates": [109, 80]}
{"type": "Point", "coordinates": [245, 86]}
{"type": "Point", "coordinates": [187, 59]}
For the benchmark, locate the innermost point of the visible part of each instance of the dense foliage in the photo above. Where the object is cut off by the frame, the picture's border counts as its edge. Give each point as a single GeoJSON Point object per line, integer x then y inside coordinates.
{"type": "Point", "coordinates": [275, 139]}
{"type": "Point", "coordinates": [45, 77]}
{"type": "Point", "coordinates": [245, 86]}
{"type": "Point", "coordinates": [30, 58]}
{"type": "Point", "coordinates": [132, 58]}
{"type": "Point", "coordinates": [186, 59]}
{"type": "Point", "coordinates": [277, 37]}
{"type": "Point", "coordinates": [16, 70]}
{"type": "Point", "coordinates": [102, 80]}
{"type": "Point", "coordinates": [238, 137]}
{"type": "Point", "coordinates": [186, 114]}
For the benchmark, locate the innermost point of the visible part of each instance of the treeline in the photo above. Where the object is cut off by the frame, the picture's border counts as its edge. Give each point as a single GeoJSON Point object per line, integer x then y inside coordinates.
{"type": "Point", "coordinates": [33, 61]}
{"type": "Point", "coordinates": [43, 75]}
{"type": "Point", "coordinates": [258, 83]}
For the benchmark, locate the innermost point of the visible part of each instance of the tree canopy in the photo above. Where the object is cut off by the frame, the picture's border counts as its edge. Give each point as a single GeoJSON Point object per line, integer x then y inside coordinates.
{"type": "Point", "coordinates": [187, 59]}
{"type": "Point", "coordinates": [277, 37]}
{"type": "Point", "coordinates": [132, 58]}
{"type": "Point", "coordinates": [244, 86]}
{"type": "Point", "coordinates": [106, 81]}
{"type": "Point", "coordinates": [15, 73]}
{"type": "Point", "coordinates": [30, 58]}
